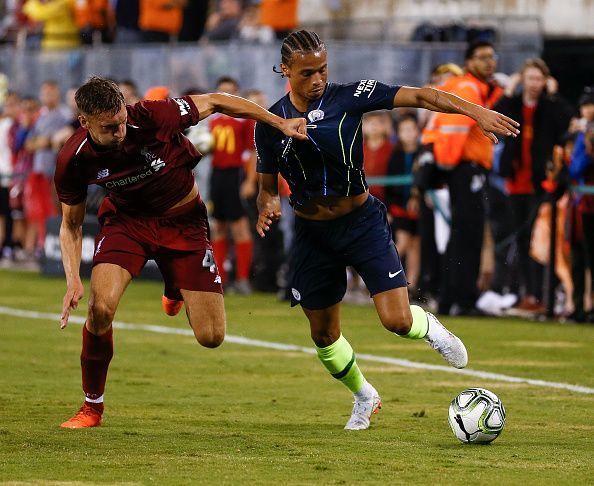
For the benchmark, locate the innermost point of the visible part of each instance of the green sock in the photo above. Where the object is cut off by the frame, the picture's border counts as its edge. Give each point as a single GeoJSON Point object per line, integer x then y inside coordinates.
{"type": "Point", "coordinates": [339, 360]}
{"type": "Point", "coordinates": [420, 324]}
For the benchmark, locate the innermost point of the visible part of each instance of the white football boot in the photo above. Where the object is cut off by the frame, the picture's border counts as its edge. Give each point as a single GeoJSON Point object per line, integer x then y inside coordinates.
{"type": "Point", "coordinates": [363, 409]}
{"type": "Point", "coordinates": [445, 343]}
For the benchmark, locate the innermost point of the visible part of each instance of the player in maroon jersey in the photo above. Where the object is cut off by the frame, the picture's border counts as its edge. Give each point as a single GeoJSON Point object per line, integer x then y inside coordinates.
{"type": "Point", "coordinates": [152, 211]}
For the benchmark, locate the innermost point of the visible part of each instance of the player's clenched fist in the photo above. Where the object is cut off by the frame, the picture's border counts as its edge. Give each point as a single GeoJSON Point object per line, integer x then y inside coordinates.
{"type": "Point", "coordinates": [294, 127]}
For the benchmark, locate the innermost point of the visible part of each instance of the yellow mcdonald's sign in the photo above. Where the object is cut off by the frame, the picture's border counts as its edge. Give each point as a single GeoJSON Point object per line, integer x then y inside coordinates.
{"type": "Point", "coordinates": [224, 138]}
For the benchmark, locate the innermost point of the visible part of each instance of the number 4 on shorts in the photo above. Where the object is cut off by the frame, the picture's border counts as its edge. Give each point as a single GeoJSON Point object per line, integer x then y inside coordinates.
{"type": "Point", "coordinates": [209, 262]}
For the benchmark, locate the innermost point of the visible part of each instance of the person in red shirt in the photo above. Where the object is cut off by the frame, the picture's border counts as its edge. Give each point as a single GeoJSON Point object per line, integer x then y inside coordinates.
{"type": "Point", "coordinates": [544, 118]}
{"type": "Point", "coordinates": [233, 145]}
{"type": "Point", "coordinates": [377, 148]}
{"type": "Point", "coordinates": [152, 211]}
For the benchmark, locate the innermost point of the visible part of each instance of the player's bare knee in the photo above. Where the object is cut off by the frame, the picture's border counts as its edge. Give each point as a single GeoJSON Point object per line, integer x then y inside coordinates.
{"type": "Point", "coordinates": [101, 315]}
{"type": "Point", "coordinates": [399, 322]}
{"type": "Point", "coordinates": [210, 336]}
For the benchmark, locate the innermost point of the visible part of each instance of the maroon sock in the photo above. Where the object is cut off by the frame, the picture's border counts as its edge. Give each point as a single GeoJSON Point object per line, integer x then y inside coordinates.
{"type": "Point", "coordinates": [94, 362]}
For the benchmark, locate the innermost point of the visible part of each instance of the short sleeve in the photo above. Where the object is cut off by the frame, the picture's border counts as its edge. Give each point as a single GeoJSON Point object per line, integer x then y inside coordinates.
{"type": "Point", "coordinates": [169, 117]}
{"type": "Point", "coordinates": [70, 186]}
{"type": "Point", "coordinates": [368, 95]}
{"type": "Point", "coordinates": [267, 163]}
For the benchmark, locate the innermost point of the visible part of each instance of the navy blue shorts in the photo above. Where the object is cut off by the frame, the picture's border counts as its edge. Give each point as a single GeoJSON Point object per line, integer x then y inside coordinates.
{"type": "Point", "coordinates": [323, 249]}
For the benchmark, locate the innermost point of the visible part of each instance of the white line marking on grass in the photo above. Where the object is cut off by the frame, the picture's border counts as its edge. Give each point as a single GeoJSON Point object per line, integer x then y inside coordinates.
{"type": "Point", "coordinates": [405, 363]}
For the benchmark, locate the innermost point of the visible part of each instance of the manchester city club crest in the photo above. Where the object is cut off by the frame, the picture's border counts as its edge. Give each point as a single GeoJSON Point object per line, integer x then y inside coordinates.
{"type": "Point", "coordinates": [315, 115]}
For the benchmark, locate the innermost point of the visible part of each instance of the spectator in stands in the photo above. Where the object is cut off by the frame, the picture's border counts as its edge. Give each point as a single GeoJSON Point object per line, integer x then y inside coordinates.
{"type": "Point", "coordinates": [431, 205]}
{"type": "Point", "coordinates": [130, 91]}
{"type": "Point", "coordinates": [402, 203]}
{"type": "Point", "coordinates": [13, 21]}
{"type": "Point", "coordinates": [24, 232]}
{"type": "Point", "coordinates": [156, 93]}
{"type": "Point", "coordinates": [233, 143]}
{"type": "Point", "coordinates": [461, 148]}
{"type": "Point", "coordinates": [59, 29]}
{"type": "Point", "coordinates": [280, 15]}
{"type": "Point", "coordinates": [544, 119]}
{"type": "Point", "coordinates": [95, 20]}
{"type": "Point", "coordinates": [8, 116]}
{"type": "Point", "coordinates": [268, 256]}
{"type": "Point", "coordinates": [586, 105]}
{"type": "Point", "coordinates": [581, 169]}
{"type": "Point", "coordinates": [160, 20]}
{"type": "Point", "coordinates": [194, 20]}
{"type": "Point", "coordinates": [59, 138]}
{"type": "Point", "coordinates": [38, 189]}
{"type": "Point", "coordinates": [377, 147]}
{"type": "Point", "coordinates": [250, 28]}
{"type": "Point", "coordinates": [127, 13]}
{"type": "Point", "coordinates": [223, 24]}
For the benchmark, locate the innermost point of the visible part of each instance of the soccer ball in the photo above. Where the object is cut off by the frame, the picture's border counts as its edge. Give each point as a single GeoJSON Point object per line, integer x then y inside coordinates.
{"type": "Point", "coordinates": [476, 416]}
{"type": "Point", "coordinates": [201, 137]}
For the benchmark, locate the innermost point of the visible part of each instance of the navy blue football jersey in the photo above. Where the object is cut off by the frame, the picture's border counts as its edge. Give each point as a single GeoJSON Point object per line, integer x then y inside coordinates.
{"type": "Point", "coordinates": [330, 163]}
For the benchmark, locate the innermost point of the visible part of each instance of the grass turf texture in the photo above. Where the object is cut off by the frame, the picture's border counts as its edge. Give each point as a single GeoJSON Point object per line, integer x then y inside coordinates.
{"type": "Point", "coordinates": [179, 413]}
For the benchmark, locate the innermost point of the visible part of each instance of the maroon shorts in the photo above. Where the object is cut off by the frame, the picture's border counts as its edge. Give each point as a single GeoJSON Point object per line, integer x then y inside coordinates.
{"type": "Point", "coordinates": [178, 242]}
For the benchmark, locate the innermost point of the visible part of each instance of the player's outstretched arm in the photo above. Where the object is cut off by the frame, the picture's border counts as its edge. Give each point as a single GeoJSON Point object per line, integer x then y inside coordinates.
{"type": "Point", "coordinates": [71, 245]}
{"type": "Point", "coordinates": [238, 107]}
{"type": "Point", "coordinates": [269, 206]}
{"type": "Point", "coordinates": [489, 121]}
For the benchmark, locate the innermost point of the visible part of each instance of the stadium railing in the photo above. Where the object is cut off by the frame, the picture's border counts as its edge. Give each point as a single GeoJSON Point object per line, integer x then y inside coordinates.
{"type": "Point", "coordinates": [184, 66]}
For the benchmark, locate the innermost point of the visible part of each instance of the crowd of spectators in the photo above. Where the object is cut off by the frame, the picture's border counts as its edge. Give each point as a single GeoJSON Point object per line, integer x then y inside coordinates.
{"type": "Point", "coordinates": [473, 234]}
{"type": "Point", "coordinates": [59, 24]}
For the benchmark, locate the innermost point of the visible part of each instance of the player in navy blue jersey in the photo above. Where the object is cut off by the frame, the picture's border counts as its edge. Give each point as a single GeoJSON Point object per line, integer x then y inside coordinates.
{"type": "Point", "coordinates": [338, 224]}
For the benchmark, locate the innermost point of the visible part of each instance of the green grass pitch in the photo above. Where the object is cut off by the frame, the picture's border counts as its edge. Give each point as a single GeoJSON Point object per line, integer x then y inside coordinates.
{"type": "Point", "coordinates": [177, 413]}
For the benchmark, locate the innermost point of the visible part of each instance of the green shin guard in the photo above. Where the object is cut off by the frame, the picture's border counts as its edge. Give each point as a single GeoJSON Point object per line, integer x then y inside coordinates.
{"type": "Point", "coordinates": [339, 360]}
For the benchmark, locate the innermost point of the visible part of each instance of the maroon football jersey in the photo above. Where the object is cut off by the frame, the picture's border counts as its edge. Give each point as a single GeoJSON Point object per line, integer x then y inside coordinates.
{"type": "Point", "coordinates": [148, 173]}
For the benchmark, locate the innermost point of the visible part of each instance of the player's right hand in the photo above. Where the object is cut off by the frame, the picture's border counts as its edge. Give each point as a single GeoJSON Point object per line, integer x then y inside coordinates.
{"type": "Point", "coordinates": [295, 128]}
{"type": "Point", "coordinates": [73, 295]}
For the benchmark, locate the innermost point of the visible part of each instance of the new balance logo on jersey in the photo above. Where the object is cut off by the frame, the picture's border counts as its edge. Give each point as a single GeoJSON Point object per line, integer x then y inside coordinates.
{"type": "Point", "coordinates": [103, 173]}
{"type": "Point", "coordinates": [365, 86]}
{"type": "Point", "coordinates": [157, 164]}
{"type": "Point", "coordinates": [184, 106]}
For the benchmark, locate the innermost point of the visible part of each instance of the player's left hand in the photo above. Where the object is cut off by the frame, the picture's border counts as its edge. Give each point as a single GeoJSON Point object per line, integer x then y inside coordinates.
{"type": "Point", "coordinates": [270, 213]}
{"type": "Point", "coordinates": [70, 302]}
{"type": "Point", "coordinates": [295, 128]}
{"type": "Point", "coordinates": [491, 123]}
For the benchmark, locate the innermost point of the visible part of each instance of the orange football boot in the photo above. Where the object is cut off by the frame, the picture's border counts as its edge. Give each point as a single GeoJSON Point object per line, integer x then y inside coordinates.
{"type": "Point", "coordinates": [87, 416]}
{"type": "Point", "coordinates": [171, 307]}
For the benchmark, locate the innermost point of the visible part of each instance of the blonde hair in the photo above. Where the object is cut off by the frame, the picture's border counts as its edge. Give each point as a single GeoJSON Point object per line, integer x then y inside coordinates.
{"type": "Point", "coordinates": [450, 67]}
{"type": "Point", "coordinates": [537, 63]}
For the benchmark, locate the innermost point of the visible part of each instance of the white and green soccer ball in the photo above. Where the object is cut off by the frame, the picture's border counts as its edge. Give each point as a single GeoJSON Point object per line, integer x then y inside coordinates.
{"type": "Point", "coordinates": [476, 416]}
